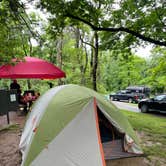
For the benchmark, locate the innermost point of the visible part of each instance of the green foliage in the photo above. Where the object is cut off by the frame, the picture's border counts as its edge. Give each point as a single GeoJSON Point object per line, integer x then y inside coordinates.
{"type": "Point", "coordinates": [74, 60]}
{"type": "Point", "coordinates": [122, 69]}
{"type": "Point", "coordinates": [14, 35]}
{"type": "Point", "coordinates": [156, 70]}
{"type": "Point", "coordinates": [117, 66]}
{"type": "Point", "coordinates": [146, 18]}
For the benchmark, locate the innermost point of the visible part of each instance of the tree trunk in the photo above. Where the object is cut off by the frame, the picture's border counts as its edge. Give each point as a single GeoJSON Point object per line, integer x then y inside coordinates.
{"type": "Point", "coordinates": [59, 56]}
{"type": "Point", "coordinates": [91, 58]}
{"type": "Point", "coordinates": [30, 54]}
{"type": "Point", "coordinates": [29, 84]}
{"type": "Point", "coordinates": [77, 46]}
{"type": "Point", "coordinates": [84, 62]}
{"type": "Point", "coordinates": [83, 81]}
{"type": "Point", "coordinates": [95, 61]}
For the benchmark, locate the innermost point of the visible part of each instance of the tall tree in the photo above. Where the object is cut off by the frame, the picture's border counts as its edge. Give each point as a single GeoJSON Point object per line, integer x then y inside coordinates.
{"type": "Point", "coordinates": [17, 29]}
{"type": "Point", "coordinates": [10, 36]}
{"type": "Point", "coordinates": [127, 19]}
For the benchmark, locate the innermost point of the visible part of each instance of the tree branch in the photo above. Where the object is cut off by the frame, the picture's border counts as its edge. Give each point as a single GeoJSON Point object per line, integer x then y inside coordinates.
{"type": "Point", "coordinates": [120, 29]}
{"type": "Point", "coordinates": [136, 34]}
{"type": "Point", "coordinates": [86, 42]}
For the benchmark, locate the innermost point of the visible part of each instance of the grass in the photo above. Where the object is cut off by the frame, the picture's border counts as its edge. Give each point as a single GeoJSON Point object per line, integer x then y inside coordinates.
{"type": "Point", "coordinates": [10, 127]}
{"type": "Point", "coordinates": [152, 130]}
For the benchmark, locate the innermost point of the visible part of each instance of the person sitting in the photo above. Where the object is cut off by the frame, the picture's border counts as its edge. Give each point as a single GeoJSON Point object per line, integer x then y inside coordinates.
{"type": "Point", "coordinates": [37, 94]}
{"type": "Point", "coordinates": [24, 103]}
{"type": "Point", "coordinates": [28, 99]}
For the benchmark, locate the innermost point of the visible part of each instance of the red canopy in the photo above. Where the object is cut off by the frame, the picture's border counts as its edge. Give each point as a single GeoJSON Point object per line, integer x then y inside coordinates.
{"type": "Point", "coordinates": [31, 67]}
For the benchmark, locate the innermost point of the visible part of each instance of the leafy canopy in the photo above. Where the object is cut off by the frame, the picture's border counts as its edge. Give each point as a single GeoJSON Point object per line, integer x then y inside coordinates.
{"type": "Point", "coordinates": [142, 19]}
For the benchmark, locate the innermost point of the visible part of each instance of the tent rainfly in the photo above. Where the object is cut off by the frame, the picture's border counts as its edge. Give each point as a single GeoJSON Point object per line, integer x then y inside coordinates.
{"type": "Point", "coordinates": [65, 128]}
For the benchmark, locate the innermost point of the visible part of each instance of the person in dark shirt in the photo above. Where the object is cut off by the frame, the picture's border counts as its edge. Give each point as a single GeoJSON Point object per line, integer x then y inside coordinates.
{"type": "Point", "coordinates": [15, 85]}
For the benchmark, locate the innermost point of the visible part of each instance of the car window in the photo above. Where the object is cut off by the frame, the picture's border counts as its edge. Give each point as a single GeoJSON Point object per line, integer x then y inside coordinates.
{"type": "Point", "coordinates": [123, 92]}
{"type": "Point", "coordinates": [120, 92]}
{"type": "Point", "coordinates": [160, 97]}
{"type": "Point", "coordinates": [164, 98]}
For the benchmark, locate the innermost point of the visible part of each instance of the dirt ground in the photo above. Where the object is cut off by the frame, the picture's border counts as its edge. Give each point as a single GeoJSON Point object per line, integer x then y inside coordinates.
{"type": "Point", "coordinates": [9, 139]}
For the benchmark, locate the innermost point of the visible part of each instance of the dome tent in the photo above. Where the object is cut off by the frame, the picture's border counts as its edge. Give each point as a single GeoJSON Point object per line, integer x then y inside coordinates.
{"type": "Point", "coordinates": [63, 129]}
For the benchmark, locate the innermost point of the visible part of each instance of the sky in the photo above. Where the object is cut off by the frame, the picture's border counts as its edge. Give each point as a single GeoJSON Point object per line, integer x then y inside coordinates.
{"type": "Point", "coordinates": [144, 51]}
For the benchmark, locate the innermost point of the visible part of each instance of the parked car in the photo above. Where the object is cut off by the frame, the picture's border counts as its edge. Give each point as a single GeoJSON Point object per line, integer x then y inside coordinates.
{"type": "Point", "coordinates": [139, 89]}
{"type": "Point", "coordinates": [158, 103]}
{"type": "Point", "coordinates": [125, 95]}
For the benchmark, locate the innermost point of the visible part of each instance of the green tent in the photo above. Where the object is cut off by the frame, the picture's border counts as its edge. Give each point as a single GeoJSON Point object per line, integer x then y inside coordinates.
{"type": "Point", "coordinates": [65, 128]}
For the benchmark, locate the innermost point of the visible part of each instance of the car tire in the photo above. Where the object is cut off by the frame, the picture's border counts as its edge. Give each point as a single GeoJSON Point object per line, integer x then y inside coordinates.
{"type": "Point", "coordinates": [144, 108]}
{"type": "Point", "coordinates": [130, 100]}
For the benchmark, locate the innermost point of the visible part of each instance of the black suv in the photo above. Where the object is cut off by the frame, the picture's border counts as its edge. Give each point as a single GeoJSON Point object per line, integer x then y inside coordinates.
{"type": "Point", "coordinates": [158, 103]}
{"type": "Point", "coordinates": [126, 95]}
{"type": "Point", "coordinates": [139, 89]}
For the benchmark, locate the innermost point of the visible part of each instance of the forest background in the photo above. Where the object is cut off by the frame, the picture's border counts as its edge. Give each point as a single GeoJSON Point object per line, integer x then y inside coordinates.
{"type": "Point", "coordinates": [91, 40]}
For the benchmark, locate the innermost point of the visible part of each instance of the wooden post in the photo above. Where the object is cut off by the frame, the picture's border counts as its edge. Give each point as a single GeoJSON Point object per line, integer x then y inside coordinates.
{"type": "Point", "coordinates": [7, 115]}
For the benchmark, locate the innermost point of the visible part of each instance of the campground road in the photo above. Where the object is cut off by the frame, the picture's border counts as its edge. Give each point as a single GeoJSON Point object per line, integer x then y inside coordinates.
{"type": "Point", "coordinates": [134, 108]}
{"type": "Point", "coordinates": [126, 106]}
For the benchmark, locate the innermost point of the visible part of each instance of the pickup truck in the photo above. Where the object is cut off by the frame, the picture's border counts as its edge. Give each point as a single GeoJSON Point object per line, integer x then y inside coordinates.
{"type": "Point", "coordinates": [125, 95]}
